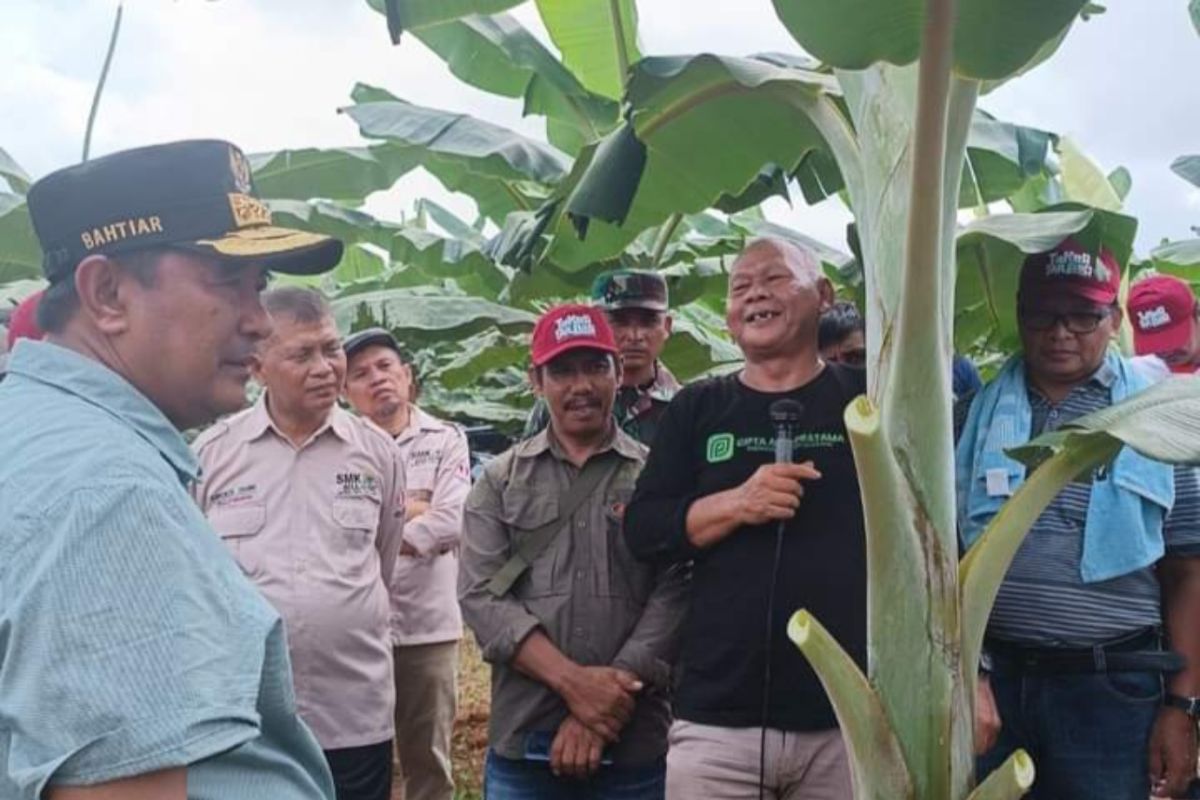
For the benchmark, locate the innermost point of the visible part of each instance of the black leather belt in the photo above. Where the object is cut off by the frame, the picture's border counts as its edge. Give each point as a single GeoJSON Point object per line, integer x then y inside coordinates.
{"type": "Point", "coordinates": [1138, 652]}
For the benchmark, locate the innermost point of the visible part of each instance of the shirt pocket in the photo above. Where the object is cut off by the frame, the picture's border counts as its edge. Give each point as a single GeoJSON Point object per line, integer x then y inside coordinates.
{"type": "Point", "coordinates": [523, 511]}
{"type": "Point", "coordinates": [353, 543]}
{"type": "Point", "coordinates": [627, 577]}
{"type": "Point", "coordinates": [239, 528]}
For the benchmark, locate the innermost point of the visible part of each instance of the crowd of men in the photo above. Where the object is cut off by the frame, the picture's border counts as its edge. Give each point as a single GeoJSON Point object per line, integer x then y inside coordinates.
{"type": "Point", "coordinates": [274, 610]}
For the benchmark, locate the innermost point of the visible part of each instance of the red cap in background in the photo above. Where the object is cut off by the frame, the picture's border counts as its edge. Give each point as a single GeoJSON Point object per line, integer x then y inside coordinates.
{"type": "Point", "coordinates": [1071, 269]}
{"type": "Point", "coordinates": [23, 322]}
{"type": "Point", "coordinates": [571, 327]}
{"type": "Point", "coordinates": [1162, 311]}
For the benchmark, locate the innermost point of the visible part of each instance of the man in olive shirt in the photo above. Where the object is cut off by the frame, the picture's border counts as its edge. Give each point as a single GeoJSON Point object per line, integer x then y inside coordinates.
{"type": "Point", "coordinates": [581, 636]}
{"type": "Point", "coordinates": [635, 302]}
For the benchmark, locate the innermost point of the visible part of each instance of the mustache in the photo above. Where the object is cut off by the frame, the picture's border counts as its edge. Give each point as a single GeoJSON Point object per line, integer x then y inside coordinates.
{"type": "Point", "coordinates": [581, 401]}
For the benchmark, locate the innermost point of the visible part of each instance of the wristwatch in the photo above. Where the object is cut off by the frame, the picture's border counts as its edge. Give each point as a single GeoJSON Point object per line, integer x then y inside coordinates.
{"type": "Point", "coordinates": [1188, 705]}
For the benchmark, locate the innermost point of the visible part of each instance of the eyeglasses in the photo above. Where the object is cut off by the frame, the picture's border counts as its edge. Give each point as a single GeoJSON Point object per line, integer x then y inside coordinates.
{"type": "Point", "coordinates": [1074, 321]}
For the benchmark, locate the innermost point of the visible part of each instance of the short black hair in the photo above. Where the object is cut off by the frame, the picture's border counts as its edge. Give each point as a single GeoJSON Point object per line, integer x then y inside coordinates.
{"type": "Point", "coordinates": [841, 320]}
{"type": "Point", "coordinates": [304, 305]}
{"type": "Point", "coordinates": [60, 300]}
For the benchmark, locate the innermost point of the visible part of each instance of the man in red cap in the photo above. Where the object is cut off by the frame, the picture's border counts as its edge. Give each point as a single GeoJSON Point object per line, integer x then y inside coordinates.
{"type": "Point", "coordinates": [23, 322]}
{"type": "Point", "coordinates": [1098, 612]}
{"type": "Point", "coordinates": [581, 636]}
{"type": "Point", "coordinates": [1163, 312]}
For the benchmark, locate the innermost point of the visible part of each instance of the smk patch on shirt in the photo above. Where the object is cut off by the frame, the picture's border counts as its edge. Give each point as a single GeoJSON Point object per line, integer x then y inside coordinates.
{"type": "Point", "coordinates": [357, 484]}
{"type": "Point", "coordinates": [235, 495]}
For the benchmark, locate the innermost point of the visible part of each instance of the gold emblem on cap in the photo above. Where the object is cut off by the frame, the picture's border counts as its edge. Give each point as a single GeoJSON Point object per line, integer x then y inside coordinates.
{"type": "Point", "coordinates": [240, 168]}
{"type": "Point", "coordinates": [248, 211]}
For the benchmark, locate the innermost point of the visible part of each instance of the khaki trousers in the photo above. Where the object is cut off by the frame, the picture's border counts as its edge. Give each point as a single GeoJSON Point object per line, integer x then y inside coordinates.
{"type": "Point", "coordinates": [713, 763]}
{"type": "Point", "coordinates": [426, 701]}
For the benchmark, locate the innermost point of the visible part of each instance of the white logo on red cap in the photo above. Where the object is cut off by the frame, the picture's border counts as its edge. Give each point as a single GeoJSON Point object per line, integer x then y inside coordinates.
{"type": "Point", "coordinates": [1072, 264]}
{"type": "Point", "coordinates": [574, 326]}
{"type": "Point", "coordinates": [1153, 318]}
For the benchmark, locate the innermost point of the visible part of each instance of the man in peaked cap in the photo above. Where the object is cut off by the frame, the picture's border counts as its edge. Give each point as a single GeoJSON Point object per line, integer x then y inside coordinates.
{"type": "Point", "coordinates": [1163, 311]}
{"type": "Point", "coordinates": [138, 662]}
{"type": "Point", "coordinates": [426, 624]}
{"type": "Point", "coordinates": [635, 303]}
{"type": "Point", "coordinates": [581, 637]}
{"type": "Point", "coordinates": [1094, 653]}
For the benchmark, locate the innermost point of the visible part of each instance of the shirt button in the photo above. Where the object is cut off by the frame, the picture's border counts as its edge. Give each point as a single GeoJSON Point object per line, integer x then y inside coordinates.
{"type": "Point", "coordinates": [579, 631]}
{"type": "Point", "coordinates": [579, 574]}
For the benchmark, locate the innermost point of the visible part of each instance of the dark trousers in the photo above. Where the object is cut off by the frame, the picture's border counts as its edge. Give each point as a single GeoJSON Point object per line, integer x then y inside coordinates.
{"type": "Point", "coordinates": [506, 779]}
{"type": "Point", "coordinates": [1088, 733]}
{"type": "Point", "coordinates": [362, 773]}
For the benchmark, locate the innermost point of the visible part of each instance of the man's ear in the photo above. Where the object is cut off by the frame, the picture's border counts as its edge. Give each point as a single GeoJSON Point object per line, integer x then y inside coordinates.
{"type": "Point", "coordinates": [535, 380]}
{"type": "Point", "coordinates": [103, 289]}
{"type": "Point", "coordinates": [827, 293]}
{"type": "Point", "coordinates": [1118, 316]}
{"type": "Point", "coordinates": [256, 364]}
{"type": "Point", "coordinates": [668, 322]}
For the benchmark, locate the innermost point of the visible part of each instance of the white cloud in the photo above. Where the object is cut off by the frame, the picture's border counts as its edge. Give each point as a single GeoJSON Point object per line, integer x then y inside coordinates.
{"type": "Point", "coordinates": [269, 75]}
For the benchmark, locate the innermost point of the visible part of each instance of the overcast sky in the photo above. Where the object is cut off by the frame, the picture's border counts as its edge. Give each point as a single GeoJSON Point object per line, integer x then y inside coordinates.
{"type": "Point", "coordinates": [270, 74]}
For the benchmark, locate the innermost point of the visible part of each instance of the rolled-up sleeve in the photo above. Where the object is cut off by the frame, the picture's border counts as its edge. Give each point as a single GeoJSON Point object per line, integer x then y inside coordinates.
{"type": "Point", "coordinates": [500, 624]}
{"type": "Point", "coordinates": [120, 654]}
{"type": "Point", "coordinates": [653, 646]}
{"type": "Point", "coordinates": [440, 527]}
{"type": "Point", "coordinates": [656, 520]}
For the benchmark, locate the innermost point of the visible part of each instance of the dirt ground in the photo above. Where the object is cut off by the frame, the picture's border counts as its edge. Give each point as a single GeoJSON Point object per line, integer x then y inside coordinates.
{"type": "Point", "coordinates": [470, 727]}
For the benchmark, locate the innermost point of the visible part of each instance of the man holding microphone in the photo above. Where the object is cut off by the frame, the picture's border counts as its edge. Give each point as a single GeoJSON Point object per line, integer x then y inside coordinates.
{"type": "Point", "coordinates": [766, 539]}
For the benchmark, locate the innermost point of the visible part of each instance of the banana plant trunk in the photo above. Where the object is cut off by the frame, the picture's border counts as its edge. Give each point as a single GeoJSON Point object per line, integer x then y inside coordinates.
{"type": "Point", "coordinates": [912, 126]}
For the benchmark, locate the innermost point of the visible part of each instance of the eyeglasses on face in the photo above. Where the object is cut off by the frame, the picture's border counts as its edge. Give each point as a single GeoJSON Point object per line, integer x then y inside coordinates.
{"type": "Point", "coordinates": [1038, 319]}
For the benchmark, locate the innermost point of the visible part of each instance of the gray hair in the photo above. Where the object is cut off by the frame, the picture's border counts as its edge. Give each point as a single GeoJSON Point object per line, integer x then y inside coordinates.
{"type": "Point", "coordinates": [304, 305]}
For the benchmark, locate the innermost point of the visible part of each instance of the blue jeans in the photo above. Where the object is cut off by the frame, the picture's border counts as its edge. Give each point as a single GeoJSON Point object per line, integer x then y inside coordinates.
{"type": "Point", "coordinates": [506, 779]}
{"type": "Point", "coordinates": [1088, 733]}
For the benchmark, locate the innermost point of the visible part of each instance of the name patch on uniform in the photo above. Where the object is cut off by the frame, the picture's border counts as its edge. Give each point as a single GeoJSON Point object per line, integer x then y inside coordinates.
{"type": "Point", "coordinates": [235, 495]}
{"type": "Point", "coordinates": [119, 231]}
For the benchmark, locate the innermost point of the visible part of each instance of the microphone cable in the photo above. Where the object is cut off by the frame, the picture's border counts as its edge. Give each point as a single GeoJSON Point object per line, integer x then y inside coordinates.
{"type": "Point", "coordinates": [770, 643]}
{"type": "Point", "coordinates": [785, 416]}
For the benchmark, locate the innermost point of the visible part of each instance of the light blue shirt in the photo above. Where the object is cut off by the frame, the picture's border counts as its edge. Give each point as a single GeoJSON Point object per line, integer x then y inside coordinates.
{"type": "Point", "coordinates": [130, 641]}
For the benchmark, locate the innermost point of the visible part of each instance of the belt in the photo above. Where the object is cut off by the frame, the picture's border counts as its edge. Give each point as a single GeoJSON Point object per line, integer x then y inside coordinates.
{"type": "Point", "coordinates": [1138, 652]}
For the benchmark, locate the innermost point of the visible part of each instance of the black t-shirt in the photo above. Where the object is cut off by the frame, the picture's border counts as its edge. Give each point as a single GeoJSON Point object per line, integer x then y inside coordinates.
{"type": "Point", "coordinates": [713, 436]}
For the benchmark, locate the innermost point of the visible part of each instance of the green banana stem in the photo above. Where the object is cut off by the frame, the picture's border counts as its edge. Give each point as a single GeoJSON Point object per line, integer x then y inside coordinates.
{"type": "Point", "coordinates": [1011, 781]}
{"type": "Point", "coordinates": [877, 763]}
{"type": "Point", "coordinates": [983, 568]}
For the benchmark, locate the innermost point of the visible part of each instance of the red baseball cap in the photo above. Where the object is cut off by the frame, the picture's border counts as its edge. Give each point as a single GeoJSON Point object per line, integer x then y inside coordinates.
{"type": "Point", "coordinates": [1071, 269]}
{"type": "Point", "coordinates": [1162, 310]}
{"type": "Point", "coordinates": [23, 322]}
{"type": "Point", "coordinates": [571, 327]}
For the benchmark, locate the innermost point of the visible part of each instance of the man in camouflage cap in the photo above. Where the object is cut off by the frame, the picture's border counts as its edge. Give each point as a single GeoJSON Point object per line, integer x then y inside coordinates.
{"type": "Point", "coordinates": [636, 304]}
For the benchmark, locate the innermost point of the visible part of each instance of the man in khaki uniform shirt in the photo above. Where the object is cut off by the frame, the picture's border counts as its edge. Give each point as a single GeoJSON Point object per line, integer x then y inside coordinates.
{"type": "Point", "coordinates": [426, 622]}
{"type": "Point", "coordinates": [309, 499]}
{"type": "Point", "coordinates": [580, 635]}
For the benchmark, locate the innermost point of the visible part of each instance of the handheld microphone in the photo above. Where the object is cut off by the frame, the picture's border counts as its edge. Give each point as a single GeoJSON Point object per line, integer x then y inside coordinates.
{"type": "Point", "coordinates": [785, 416]}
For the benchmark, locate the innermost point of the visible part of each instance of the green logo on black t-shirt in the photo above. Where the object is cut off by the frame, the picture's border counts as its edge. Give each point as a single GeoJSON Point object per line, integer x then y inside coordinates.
{"type": "Point", "coordinates": [720, 448]}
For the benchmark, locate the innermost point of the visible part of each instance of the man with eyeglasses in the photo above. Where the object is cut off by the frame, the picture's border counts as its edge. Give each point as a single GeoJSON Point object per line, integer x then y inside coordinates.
{"type": "Point", "coordinates": [1163, 311]}
{"type": "Point", "coordinates": [1101, 606]}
